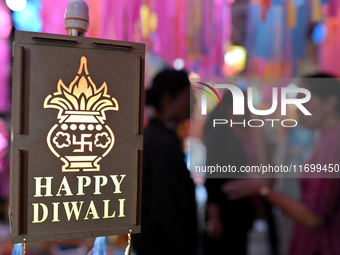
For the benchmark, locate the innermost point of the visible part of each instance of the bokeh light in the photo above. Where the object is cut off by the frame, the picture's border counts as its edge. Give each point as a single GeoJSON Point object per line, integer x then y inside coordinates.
{"type": "Point", "coordinates": [179, 63]}
{"type": "Point", "coordinates": [193, 75]}
{"type": "Point", "coordinates": [234, 60]}
{"type": "Point", "coordinates": [16, 5]}
{"type": "Point", "coordinates": [292, 94]}
{"type": "Point", "coordinates": [5, 22]}
{"type": "Point", "coordinates": [229, 58]}
{"type": "Point", "coordinates": [28, 19]}
{"type": "Point", "coordinates": [319, 33]}
{"type": "Point", "coordinates": [236, 57]}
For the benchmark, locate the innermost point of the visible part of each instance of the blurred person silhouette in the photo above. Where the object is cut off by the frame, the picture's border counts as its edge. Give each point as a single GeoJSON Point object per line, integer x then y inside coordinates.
{"type": "Point", "coordinates": [317, 215]}
{"type": "Point", "coordinates": [227, 221]}
{"type": "Point", "coordinates": [169, 221]}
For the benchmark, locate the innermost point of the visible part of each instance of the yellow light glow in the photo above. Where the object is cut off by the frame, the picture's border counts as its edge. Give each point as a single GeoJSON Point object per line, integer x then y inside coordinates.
{"type": "Point", "coordinates": [81, 119]}
{"type": "Point", "coordinates": [235, 58]}
{"type": "Point", "coordinates": [82, 106]}
{"type": "Point", "coordinates": [81, 158]}
{"type": "Point", "coordinates": [49, 140]}
{"type": "Point", "coordinates": [82, 95]}
{"type": "Point", "coordinates": [112, 142]}
{"type": "Point", "coordinates": [81, 164]}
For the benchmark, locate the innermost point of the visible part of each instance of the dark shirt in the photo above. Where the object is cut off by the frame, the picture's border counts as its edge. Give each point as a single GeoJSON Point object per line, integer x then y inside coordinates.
{"type": "Point", "coordinates": [224, 149]}
{"type": "Point", "coordinates": [168, 200]}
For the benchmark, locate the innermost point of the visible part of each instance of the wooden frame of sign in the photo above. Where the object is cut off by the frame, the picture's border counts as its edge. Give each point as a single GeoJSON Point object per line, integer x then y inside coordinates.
{"type": "Point", "coordinates": [76, 155]}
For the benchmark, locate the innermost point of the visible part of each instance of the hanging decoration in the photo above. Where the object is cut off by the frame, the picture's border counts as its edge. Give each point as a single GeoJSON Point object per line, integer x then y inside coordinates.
{"type": "Point", "coordinates": [193, 30]}
{"type": "Point", "coordinates": [276, 44]}
{"type": "Point", "coordinates": [17, 249]}
{"type": "Point", "coordinates": [197, 31]}
{"type": "Point", "coordinates": [5, 58]}
{"type": "Point", "coordinates": [328, 35]}
{"type": "Point", "coordinates": [319, 33]}
{"type": "Point", "coordinates": [316, 10]}
{"type": "Point", "coordinates": [99, 246]}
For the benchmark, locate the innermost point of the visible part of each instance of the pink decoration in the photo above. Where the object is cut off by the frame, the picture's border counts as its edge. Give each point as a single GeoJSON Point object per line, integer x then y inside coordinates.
{"type": "Point", "coordinates": [329, 50]}
{"type": "Point", "coordinates": [5, 30]}
{"type": "Point", "coordinates": [52, 16]}
{"type": "Point", "coordinates": [4, 167]}
{"type": "Point", "coordinates": [5, 21]}
{"type": "Point", "coordinates": [5, 70]}
{"type": "Point", "coordinates": [195, 30]}
{"type": "Point", "coordinates": [333, 8]}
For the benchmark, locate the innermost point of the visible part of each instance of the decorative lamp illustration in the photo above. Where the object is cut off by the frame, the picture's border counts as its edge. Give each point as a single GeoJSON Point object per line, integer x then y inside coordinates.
{"type": "Point", "coordinates": [81, 138]}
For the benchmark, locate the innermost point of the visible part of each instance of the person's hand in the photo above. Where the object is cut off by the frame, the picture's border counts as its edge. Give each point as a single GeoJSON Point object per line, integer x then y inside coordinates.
{"type": "Point", "coordinates": [214, 225]}
{"type": "Point", "coordinates": [243, 188]}
{"type": "Point", "coordinates": [215, 228]}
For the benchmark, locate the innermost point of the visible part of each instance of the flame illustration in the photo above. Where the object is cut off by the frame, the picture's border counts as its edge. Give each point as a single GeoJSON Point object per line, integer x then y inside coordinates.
{"type": "Point", "coordinates": [81, 97]}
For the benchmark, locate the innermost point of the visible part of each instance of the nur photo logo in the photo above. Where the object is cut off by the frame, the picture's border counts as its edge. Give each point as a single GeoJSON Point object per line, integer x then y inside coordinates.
{"type": "Point", "coordinates": [204, 97]}
{"type": "Point", "coordinates": [239, 104]}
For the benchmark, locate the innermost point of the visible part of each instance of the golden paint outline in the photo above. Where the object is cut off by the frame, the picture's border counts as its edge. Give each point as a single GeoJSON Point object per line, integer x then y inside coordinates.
{"type": "Point", "coordinates": [112, 142]}
{"type": "Point", "coordinates": [81, 96]}
{"type": "Point", "coordinates": [63, 145]}
{"type": "Point", "coordinates": [81, 102]}
{"type": "Point", "coordinates": [97, 140]}
{"type": "Point", "coordinates": [49, 141]}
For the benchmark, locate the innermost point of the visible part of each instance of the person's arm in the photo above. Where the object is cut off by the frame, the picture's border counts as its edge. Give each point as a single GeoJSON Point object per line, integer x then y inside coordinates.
{"type": "Point", "coordinates": [214, 227]}
{"type": "Point", "coordinates": [298, 211]}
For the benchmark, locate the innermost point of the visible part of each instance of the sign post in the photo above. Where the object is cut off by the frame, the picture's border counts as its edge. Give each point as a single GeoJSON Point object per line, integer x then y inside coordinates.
{"type": "Point", "coordinates": [76, 152]}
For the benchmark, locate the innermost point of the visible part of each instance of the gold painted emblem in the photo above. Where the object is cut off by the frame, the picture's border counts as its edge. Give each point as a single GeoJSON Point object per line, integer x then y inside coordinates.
{"type": "Point", "coordinates": [81, 138]}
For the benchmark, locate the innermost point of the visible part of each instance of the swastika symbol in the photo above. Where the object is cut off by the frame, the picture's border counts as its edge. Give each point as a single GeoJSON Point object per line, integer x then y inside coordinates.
{"type": "Point", "coordinates": [82, 142]}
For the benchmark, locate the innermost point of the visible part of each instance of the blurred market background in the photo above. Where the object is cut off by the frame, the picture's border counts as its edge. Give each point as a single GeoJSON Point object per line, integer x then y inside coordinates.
{"type": "Point", "coordinates": [208, 38]}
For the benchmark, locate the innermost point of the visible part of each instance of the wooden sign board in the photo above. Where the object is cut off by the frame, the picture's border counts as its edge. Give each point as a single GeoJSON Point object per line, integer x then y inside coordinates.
{"type": "Point", "coordinates": [77, 114]}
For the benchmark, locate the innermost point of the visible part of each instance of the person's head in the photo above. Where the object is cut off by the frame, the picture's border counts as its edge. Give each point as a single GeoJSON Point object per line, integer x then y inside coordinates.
{"type": "Point", "coordinates": [169, 94]}
{"type": "Point", "coordinates": [324, 104]}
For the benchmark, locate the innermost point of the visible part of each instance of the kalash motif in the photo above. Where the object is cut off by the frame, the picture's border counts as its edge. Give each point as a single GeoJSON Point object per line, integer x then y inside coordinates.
{"type": "Point", "coordinates": [81, 139]}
